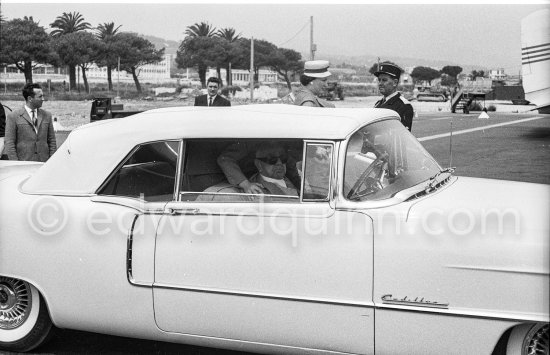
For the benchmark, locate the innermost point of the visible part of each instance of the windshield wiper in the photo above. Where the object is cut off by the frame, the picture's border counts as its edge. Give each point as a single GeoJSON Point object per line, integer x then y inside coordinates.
{"type": "Point", "coordinates": [433, 179]}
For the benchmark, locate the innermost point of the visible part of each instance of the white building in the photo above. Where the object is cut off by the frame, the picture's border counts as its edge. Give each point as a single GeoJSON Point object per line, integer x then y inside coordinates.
{"type": "Point", "coordinates": [157, 72]}
{"type": "Point", "coordinates": [497, 74]}
{"type": "Point", "coordinates": [242, 76]}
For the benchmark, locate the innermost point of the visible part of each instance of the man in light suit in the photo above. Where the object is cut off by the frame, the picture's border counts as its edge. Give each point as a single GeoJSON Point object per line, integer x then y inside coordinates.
{"type": "Point", "coordinates": [270, 162]}
{"type": "Point", "coordinates": [29, 130]}
{"type": "Point", "coordinates": [212, 98]}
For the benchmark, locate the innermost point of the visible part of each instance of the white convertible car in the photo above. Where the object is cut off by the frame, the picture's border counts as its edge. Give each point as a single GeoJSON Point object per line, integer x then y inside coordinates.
{"type": "Point", "coordinates": [131, 229]}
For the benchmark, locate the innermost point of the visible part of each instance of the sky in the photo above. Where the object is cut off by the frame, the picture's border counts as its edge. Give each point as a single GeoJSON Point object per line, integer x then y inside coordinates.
{"type": "Point", "coordinates": [481, 33]}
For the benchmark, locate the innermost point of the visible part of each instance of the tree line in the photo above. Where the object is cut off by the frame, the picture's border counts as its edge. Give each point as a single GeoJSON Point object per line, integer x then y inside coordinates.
{"type": "Point", "coordinates": [74, 43]}
{"type": "Point", "coordinates": [448, 74]}
{"type": "Point", "coordinates": [205, 46]}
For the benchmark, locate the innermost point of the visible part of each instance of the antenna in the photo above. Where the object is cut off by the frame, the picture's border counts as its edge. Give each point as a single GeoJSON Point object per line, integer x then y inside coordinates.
{"type": "Point", "coordinates": [451, 145]}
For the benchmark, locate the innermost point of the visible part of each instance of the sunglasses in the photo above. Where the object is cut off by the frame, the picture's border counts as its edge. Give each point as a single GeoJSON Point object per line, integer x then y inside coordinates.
{"type": "Point", "coordinates": [271, 160]}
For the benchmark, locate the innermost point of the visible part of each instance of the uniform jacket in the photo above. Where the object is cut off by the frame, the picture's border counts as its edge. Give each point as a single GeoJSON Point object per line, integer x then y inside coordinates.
{"type": "Point", "coordinates": [202, 100]}
{"type": "Point", "coordinates": [2, 121]}
{"type": "Point", "coordinates": [22, 142]}
{"type": "Point", "coordinates": [400, 105]}
{"type": "Point", "coordinates": [302, 95]}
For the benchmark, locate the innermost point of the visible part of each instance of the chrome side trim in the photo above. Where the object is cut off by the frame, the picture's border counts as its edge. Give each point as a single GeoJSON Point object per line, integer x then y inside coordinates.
{"type": "Point", "coordinates": [466, 313]}
{"type": "Point", "coordinates": [179, 169]}
{"type": "Point", "coordinates": [264, 295]}
{"type": "Point", "coordinates": [129, 244]}
{"type": "Point", "coordinates": [493, 269]}
{"type": "Point", "coordinates": [149, 208]}
{"type": "Point", "coordinates": [332, 165]}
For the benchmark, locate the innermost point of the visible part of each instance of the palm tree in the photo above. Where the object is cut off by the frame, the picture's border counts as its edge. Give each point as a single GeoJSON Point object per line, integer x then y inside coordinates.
{"type": "Point", "coordinates": [106, 30]}
{"type": "Point", "coordinates": [229, 35]}
{"type": "Point", "coordinates": [202, 29]}
{"type": "Point", "coordinates": [106, 33]}
{"type": "Point", "coordinates": [69, 23]}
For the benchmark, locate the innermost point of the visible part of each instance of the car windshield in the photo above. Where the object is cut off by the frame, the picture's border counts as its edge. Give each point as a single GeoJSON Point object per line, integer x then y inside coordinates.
{"type": "Point", "coordinates": [382, 159]}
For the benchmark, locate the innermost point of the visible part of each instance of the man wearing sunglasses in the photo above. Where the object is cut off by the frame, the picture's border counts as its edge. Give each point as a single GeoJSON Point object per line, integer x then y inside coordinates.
{"type": "Point", "coordinates": [271, 161]}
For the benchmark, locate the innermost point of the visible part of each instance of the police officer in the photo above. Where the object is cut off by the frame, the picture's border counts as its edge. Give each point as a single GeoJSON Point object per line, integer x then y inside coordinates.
{"type": "Point", "coordinates": [388, 78]}
{"type": "Point", "coordinates": [314, 83]}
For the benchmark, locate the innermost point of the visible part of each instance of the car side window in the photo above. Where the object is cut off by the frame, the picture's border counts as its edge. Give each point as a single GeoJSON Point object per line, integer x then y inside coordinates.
{"type": "Point", "coordinates": [213, 170]}
{"type": "Point", "coordinates": [317, 171]}
{"type": "Point", "coordinates": [148, 173]}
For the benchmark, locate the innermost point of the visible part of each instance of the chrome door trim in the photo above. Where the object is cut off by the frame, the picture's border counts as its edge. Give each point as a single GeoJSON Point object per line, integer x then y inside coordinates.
{"type": "Point", "coordinates": [179, 168]}
{"type": "Point", "coordinates": [129, 244]}
{"type": "Point", "coordinates": [264, 295]}
{"type": "Point", "coordinates": [463, 313]}
{"type": "Point", "coordinates": [332, 170]}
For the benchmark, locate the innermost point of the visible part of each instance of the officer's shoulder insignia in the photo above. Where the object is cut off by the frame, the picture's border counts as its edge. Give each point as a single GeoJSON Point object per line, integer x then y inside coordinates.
{"type": "Point", "coordinates": [405, 101]}
{"type": "Point", "coordinates": [289, 99]}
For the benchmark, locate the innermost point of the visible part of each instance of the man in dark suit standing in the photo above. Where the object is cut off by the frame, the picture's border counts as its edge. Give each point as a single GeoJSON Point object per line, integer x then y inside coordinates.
{"type": "Point", "coordinates": [29, 130]}
{"type": "Point", "coordinates": [212, 98]}
{"type": "Point", "coordinates": [388, 79]}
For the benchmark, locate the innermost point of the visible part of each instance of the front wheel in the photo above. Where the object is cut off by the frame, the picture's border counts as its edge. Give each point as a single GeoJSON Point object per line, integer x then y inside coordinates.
{"type": "Point", "coordinates": [24, 319]}
{"type": "Point", "coordinates": [527, 339]}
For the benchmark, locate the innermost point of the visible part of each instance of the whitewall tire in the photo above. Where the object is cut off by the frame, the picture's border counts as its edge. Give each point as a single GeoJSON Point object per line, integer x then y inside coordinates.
{"type": "Point", "coordinates": [24, 319]}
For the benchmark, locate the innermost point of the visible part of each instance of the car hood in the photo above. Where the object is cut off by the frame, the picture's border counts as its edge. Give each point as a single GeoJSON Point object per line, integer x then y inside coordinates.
{"type": "Point", "coordinates": [12, 168]}
{"type": "Point", "coordinates": [476, 244]}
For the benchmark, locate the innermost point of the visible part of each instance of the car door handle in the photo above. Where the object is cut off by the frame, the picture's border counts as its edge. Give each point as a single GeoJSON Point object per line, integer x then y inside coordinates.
{"type": "Point", "coordinates": [178, 211]}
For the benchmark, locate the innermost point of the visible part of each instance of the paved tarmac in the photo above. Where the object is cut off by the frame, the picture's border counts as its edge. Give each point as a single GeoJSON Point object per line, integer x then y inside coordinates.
{"type": "Point", "coordinates": [506, 146]}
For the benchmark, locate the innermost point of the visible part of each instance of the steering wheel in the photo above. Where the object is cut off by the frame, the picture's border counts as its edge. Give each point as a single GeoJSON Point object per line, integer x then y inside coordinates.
{"type": "Point", "coordinates": [372, 184]}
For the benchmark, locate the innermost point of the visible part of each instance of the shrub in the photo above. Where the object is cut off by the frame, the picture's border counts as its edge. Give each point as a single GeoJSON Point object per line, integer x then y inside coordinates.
{"type": "Point", "coordinates": [475, 106]}
{"type": "Point", "coordinates": [491, 108]}
{"type": "Point", "coordinates": [230, 89]}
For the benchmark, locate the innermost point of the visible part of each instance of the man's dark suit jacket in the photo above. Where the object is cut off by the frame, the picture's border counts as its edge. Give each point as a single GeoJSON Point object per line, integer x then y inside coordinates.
{"type": "Point", "coordinates": [202, 100]}
{"type": "Point", "coordinates": [23, 143]}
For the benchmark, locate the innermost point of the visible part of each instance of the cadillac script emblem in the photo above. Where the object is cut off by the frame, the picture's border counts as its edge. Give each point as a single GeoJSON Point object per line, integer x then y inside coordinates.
{"type": "Point", "coordinates": [417, 301]}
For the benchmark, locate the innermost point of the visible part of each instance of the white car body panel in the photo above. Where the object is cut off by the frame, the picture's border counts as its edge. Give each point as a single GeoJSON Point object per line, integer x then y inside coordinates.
{"type": "Point", "coordinates": [423, 267]}
{"type": "Point", "coordinates": [294, 268]}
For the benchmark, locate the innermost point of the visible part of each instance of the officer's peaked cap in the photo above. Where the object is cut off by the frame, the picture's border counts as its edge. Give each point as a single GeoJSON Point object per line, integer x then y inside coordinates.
{"type": "Point", "coordinates": [317, 68]}
{"type": "Point", "coordinates": [390, 69]}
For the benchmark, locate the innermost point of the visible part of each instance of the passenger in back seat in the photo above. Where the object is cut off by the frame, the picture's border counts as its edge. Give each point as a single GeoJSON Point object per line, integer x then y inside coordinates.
{"type": "Point", "coordinates": [270, 162]}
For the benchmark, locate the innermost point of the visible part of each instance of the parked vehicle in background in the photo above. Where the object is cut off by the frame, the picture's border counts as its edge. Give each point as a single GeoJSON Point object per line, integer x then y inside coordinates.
{"type": "Point", "coordinates": [431, 97]}
{"type": "Point", "coordinates": [103, 109]}
{"type": "Point", "coordinates": [334, 91]}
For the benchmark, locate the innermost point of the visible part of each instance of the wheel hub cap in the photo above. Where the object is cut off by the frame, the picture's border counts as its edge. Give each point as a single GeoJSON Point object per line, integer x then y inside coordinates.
{"type": "Point", "coordinates": [15, 302]}
{"type": "Point", "coordinates": [538, 343]}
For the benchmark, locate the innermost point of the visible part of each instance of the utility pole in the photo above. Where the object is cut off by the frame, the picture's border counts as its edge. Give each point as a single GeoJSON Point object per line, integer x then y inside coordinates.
{"type": "Point", "coordinates": [251, 69]}
{"type": "Point", "coordinates": [312, 46]}
{"type": "Point", "coordinates": [118, 78]}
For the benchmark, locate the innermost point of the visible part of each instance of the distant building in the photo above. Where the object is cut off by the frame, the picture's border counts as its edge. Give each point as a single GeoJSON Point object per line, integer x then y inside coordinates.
{"type": "Point", "coordinates": [242, 76]}
{"type": "Point", "coordinates": [157, 72]}
{"type": "Point", "coordinates": [497, 74]}
{"type": "Point", "coordinates": [478, 85]}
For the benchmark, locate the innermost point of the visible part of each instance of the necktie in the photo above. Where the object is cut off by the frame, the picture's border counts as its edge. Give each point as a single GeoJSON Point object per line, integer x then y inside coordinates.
{"type": "Point", "coordinates": [382, 101]}
{"type": "Point", "coordinates": [210, 103]}
{"type": "Point", "coordinates": [34, 120]}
